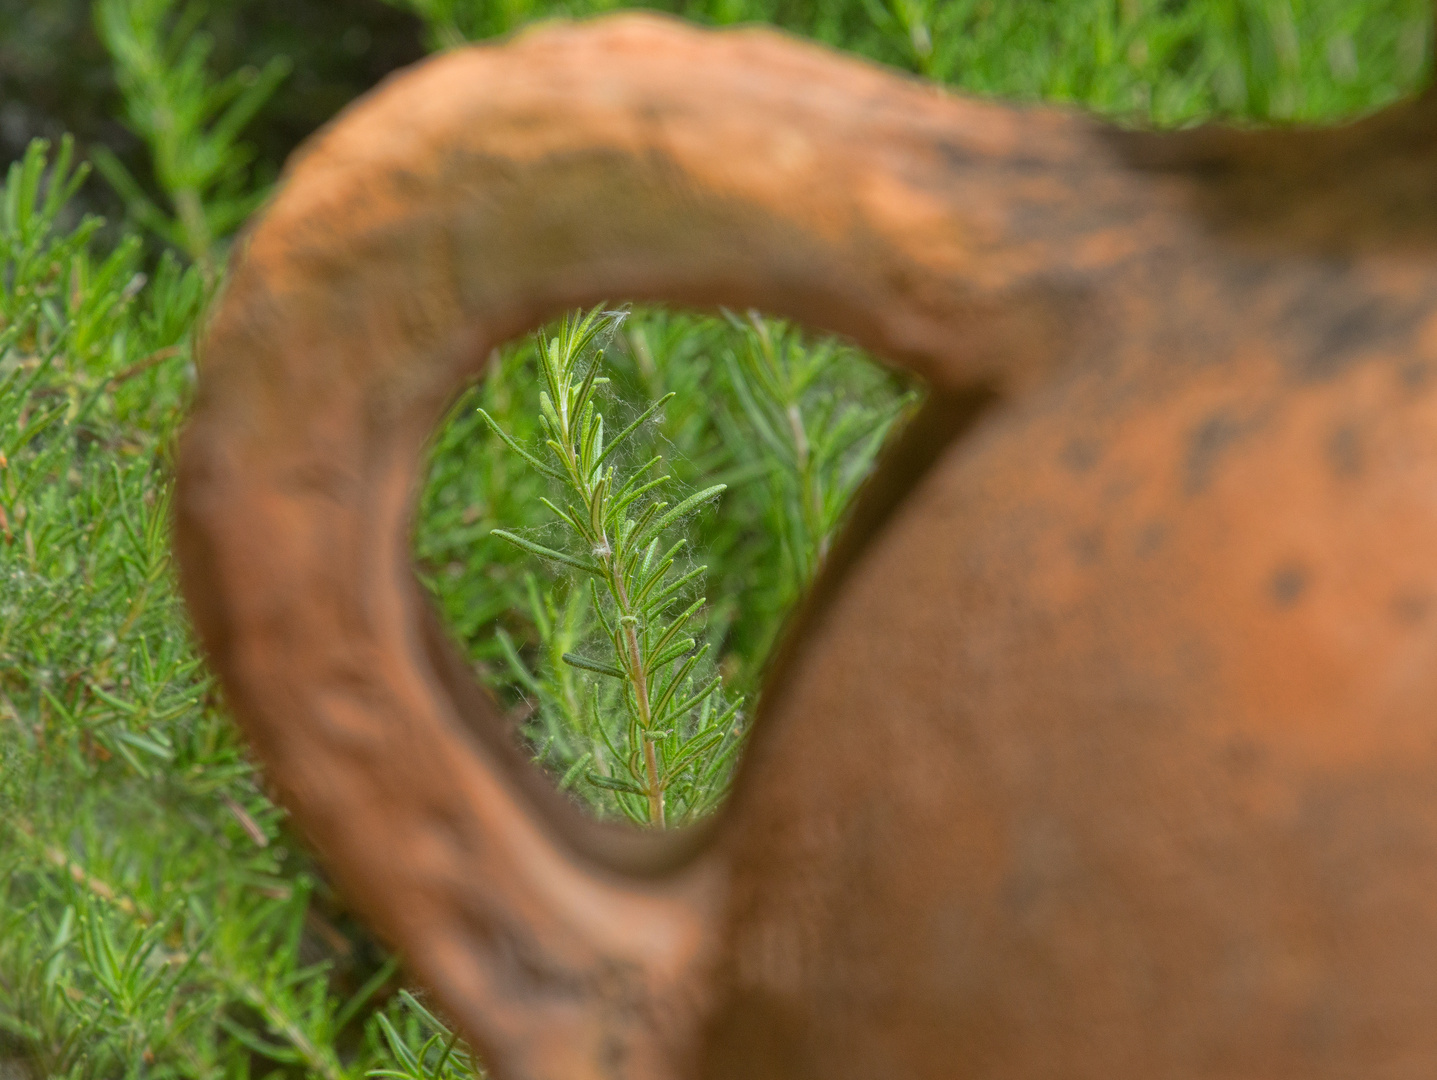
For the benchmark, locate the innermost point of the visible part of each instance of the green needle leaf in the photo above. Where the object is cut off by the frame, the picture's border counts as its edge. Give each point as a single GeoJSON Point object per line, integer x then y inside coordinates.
{"type": "Point", "coordinates": [547, 552]}
{"type": "Point", "coordinates": [574, 660]}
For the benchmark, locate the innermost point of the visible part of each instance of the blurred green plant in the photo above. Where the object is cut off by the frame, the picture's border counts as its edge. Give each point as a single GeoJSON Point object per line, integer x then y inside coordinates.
{"type": "Point", "coordinates": [820, 422]}
{"type": "Point", "coordinates": [423, 1046]}
{"type": "Point", "coordinates": [1151, 61]}
{"type": "Point", "coordinates": [154, 919]}
{"type": "Point", "coordinates": [190, 121]}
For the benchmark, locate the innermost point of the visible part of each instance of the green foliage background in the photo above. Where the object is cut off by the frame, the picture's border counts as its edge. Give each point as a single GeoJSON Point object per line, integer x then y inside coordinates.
{"type": "Point", "coordinates": [157, 918]}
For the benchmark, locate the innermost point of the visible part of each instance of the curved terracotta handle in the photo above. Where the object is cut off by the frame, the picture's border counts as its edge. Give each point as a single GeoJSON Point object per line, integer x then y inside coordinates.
{"type": "Point", "coordinates": [465, 202]}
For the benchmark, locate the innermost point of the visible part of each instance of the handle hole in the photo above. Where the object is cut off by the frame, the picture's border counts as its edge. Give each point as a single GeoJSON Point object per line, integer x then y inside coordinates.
{"type": "Point", "coordinates": [789, 422]}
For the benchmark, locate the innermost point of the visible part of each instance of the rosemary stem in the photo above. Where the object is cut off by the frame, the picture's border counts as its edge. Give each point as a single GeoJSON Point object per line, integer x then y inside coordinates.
{"type": "Point", "coordinates": [640, 683]}
{"type": "Point", "coordinates": [638, 677]}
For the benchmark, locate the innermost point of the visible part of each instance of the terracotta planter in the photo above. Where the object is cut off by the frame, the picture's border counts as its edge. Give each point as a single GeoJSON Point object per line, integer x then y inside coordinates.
{"type": "Point", "coordinates": [1107, 745]}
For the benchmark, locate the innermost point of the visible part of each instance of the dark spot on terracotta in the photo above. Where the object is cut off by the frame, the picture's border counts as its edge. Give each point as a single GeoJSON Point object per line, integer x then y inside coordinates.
{"type": "Point", "coordinates": [1415, 375]}
{"type": "Point", "coordinates": [1206, 445]}
{"type": "Point", "coordinates": [1287, 584]}
{"type": "Point", "coordinates": [1080, 455]}
{"type": "Point", "coordinates": [1345, 333]}
{"type": "Point", "coordinates": [1336, 319]}
{"type": "Point", "coordinates": [1353, 328]}
{"type": "Point", "coordinates": [1243, 757]}
{"type": "Point", "coordinates": [956, 156]}
{"type": "Point", "coordinates": [1344, 451]}
{"type": "Point", "coordinates": [407, 182]}
{"type": "Point", "coordinates": [1151, 538]}
{"type": "Point", "coordinates": [1087, 547]}
{"type": "Point", "coordinates": [1023, 163]}
{"type": "Point", "coordinates": [1411, 606]}
{"type": "Point", "coordinates": [1248, 273]}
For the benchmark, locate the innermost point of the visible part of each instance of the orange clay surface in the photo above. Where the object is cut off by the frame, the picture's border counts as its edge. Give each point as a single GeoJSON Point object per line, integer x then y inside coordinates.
{"type": "Point", "coordinates": [1105, 747]}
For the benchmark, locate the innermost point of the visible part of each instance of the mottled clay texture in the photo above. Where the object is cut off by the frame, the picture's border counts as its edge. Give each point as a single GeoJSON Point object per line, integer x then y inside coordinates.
{"type": "Point", "coordinates": [1106, 746]}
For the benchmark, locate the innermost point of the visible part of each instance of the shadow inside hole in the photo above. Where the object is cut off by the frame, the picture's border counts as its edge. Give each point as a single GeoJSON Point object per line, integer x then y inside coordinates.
{"type": "Point", "coordinates": [789, 423]}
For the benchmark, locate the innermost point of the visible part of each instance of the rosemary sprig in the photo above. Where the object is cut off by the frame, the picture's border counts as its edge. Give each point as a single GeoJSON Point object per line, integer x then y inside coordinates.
{"type": "Point", "coordinates": [616, 523]}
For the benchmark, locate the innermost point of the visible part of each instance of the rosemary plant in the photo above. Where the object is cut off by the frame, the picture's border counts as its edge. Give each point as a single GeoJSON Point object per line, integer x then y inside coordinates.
{"type": "Point", "coordinates": [813, 445]}
{"type": "Point", "coordinates": [190, 122]}
{"type": "Point", "coordinates": [675, 716]}
{"type": "Point", "coordinates": [1153, 61]}
{"type": "Point", "coordinates": [157, 919]}
{"type": "Point", "coordinates": [423, 1046]}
